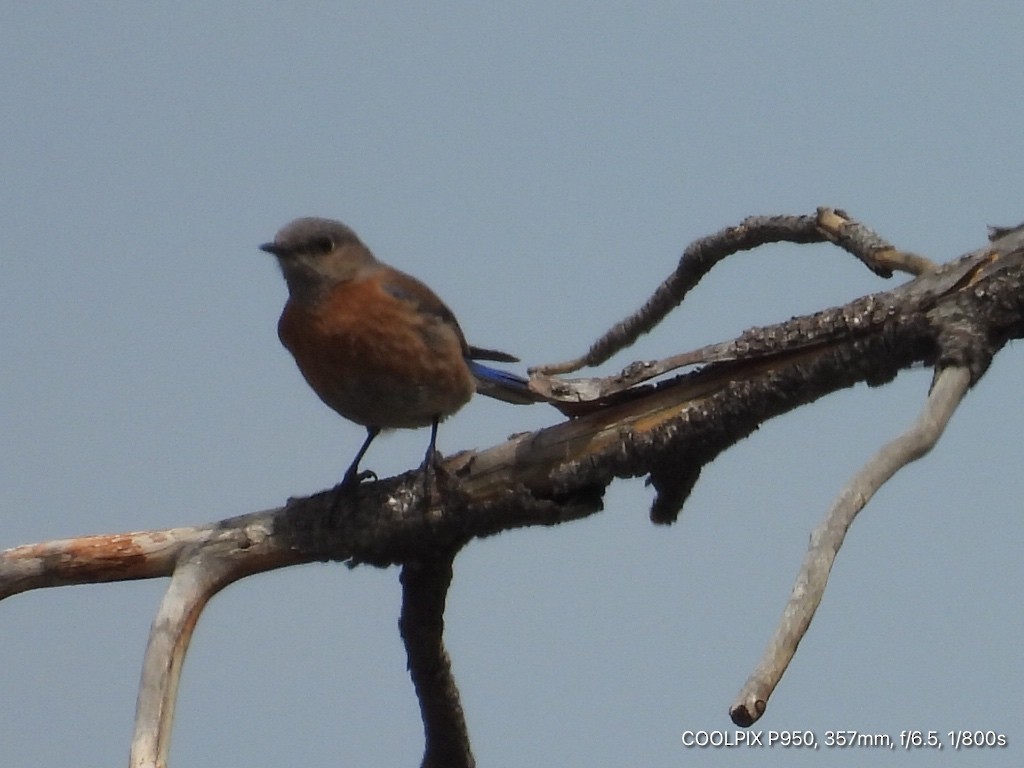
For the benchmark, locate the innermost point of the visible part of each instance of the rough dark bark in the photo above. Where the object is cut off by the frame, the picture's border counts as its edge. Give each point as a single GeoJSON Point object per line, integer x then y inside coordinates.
{"type": "Point", "coordinates": [955, 318]}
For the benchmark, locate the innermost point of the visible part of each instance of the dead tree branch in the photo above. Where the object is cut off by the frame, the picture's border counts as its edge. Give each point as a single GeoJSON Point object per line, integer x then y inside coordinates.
{"type": "Point", "coordinates": [950, 387]}
{"type": "Point", "coordinates": [827, 225]}
{"type": "Point", "coordinates": [199, 575]}
{"type": "Point", "coordinates": [954, 317]}
{"type": "Point", "coordinates": [424, 589]}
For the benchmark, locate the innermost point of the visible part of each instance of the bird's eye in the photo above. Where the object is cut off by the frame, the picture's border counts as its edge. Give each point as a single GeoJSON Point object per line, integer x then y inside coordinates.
{"type": "Point", "coordinates": [321, 245]}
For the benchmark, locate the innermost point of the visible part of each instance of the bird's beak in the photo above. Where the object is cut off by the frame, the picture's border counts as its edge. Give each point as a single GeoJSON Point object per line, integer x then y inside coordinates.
{"type": "Point", "coordinates": [272, 248]}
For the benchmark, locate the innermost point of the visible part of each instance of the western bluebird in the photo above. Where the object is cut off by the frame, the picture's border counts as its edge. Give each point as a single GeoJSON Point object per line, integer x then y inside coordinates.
{"type": "Point", "coordinates": [377, 345]}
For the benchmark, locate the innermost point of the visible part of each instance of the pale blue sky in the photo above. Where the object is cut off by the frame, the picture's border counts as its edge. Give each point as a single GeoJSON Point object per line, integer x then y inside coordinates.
{"type": "Point", "coordinates": [541, 166]}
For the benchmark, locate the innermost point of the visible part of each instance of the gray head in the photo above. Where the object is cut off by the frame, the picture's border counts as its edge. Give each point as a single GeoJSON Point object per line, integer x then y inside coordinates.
{"type": "Point", "coordinates": [316, 254]}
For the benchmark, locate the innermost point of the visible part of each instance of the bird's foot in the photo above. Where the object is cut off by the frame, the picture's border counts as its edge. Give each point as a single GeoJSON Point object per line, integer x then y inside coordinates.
{"type": "Point", "coordinates": [434, 475]}
{"type": "Point", "coordinates": [353, 479]}
{"type": "Point", "coordinates": [348, 487]}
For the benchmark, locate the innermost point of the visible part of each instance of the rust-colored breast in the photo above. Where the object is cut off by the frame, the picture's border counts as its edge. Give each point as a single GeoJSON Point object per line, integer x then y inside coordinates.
{"type": "Point", "coordinates": [377, 359]}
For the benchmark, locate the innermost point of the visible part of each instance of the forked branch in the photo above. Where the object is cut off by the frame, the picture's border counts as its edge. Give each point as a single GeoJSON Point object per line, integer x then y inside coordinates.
{"type": "Point", "coordinates": [954, 317]}
{"type": "Point", "coordinates": [826, 225]}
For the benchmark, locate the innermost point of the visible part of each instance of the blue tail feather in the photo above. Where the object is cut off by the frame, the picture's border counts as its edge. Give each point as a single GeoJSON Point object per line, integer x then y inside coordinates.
{"type": "Point", "coordinates": [501, 385]}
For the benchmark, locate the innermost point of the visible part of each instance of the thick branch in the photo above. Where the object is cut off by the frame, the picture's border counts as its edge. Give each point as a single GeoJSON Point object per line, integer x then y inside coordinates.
{"type": "Point", "coordinates": [424, 589]}
{"type": "Point", "coordinates": [955, 317]}
{"type": "Point", "coordinates": [557, 474]}
{"type": "Point", "coordinates": [142, 554]}
{"type": "Point", "coordinates": [197, 578]}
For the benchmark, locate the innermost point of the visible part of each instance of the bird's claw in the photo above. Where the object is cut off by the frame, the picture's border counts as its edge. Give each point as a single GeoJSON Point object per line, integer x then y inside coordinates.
{"type": "Point", "coordinates": [352, 480]}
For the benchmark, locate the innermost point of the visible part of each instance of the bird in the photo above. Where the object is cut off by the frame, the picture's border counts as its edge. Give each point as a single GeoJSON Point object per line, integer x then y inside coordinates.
{"type": "Point", "coordinates": [375, 344]}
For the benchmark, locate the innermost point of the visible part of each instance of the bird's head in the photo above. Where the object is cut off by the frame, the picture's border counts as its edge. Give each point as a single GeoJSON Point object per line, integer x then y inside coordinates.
{"type": "Point", "coordinates": [316, 254]}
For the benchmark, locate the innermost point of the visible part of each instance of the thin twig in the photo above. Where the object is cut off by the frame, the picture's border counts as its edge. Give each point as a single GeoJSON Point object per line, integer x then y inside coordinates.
{"type": "Point", "coordinates": [949, 388]}
{"type": "Point", "coordinates": [826, 225]}
{"type": "Point", "coordinates": [859, 317]}
{"type": "Point", "coordinates": [876, 252]}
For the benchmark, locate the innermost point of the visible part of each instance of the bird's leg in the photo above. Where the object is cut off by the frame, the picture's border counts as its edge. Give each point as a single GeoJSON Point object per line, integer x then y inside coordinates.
{"type": "Point", "coordinates": [430, 460]}
{"type": "Point", "coordinates": [353, 477]}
